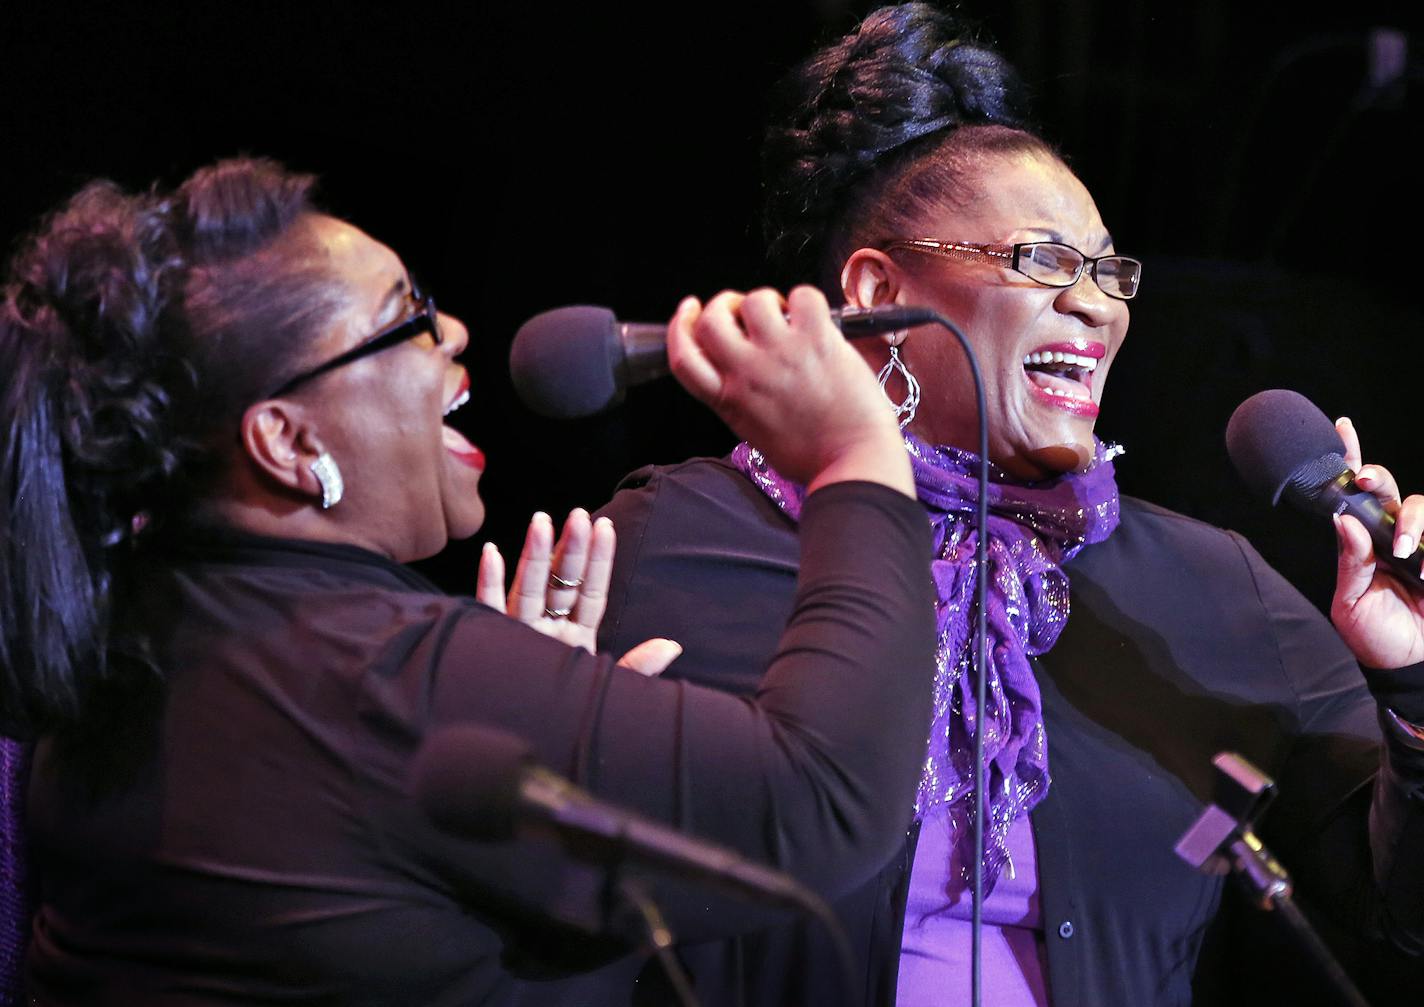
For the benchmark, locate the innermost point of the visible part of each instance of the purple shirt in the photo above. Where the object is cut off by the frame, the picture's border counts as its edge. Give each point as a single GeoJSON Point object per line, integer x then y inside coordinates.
{"type": "Point", "coordinates": [935, 947]}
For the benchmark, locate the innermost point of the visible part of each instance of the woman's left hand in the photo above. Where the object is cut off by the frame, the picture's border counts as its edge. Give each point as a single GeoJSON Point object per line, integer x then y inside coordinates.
{"type": "Point", "coordinates": [1378, 615]}
{"type": "Point", "coordinates": [561, 589]}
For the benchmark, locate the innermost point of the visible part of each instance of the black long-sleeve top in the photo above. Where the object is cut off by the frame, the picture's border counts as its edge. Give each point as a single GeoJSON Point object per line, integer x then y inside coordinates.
{"type": "Point", "coordinates": [255, 840]}
{"type": "Point", "coordinates": [1181, 643]}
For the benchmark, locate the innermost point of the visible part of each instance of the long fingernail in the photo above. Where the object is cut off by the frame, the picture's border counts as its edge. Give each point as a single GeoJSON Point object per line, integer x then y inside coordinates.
{"type": "Point", "coordinates": [1404, 546]}
{"type": "Point", "coordinates": [1345, 420]}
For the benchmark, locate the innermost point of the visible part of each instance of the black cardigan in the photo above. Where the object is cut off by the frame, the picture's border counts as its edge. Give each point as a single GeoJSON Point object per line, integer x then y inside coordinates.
{"type": "Point", "coordinates": [1181, 643]}
{"type": "Point", "coordinates": [252, 838]}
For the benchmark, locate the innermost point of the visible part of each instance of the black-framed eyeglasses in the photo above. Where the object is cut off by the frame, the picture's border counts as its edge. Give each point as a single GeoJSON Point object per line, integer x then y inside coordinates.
{"type": "Point", "coordinates": [426, 319]}
{"type": "Point", "coordinates": [1050, 263]}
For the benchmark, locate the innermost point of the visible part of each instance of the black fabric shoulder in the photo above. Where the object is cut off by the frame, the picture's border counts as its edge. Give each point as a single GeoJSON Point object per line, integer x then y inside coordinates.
{"type": "Point", "coordinates": [700, 550]}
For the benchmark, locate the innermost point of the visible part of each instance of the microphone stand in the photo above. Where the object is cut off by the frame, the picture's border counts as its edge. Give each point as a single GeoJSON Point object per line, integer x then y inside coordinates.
{"type": "Point", "coordinates": [625, 895]}
{"type": "Point", "coordinates": [1222, 840]}
{"type": "Point", "coordinates": [631, 894]}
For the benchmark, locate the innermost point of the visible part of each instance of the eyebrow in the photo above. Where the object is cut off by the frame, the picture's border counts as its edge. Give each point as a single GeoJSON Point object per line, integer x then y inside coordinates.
{"type": "Point", "coordinates": [1053, 235]}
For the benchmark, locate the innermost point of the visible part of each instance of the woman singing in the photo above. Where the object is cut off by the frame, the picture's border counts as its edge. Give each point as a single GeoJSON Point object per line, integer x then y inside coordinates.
{"type": "Point", "coordinates": [1128, 644]}
{"type": "Point", "coordinates": [223, 436]}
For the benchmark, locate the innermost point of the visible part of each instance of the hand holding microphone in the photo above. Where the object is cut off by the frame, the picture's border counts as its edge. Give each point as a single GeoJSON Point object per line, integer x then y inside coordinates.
{"type": "Point", "coordinates": [778, 371]}
{"type": "Point", "coordinates": [1378, 611]}
{"type": "Point", "coordinates": [579, 360]}
{"type": "Point", "coordinates": [782, 376]}
{"type": "Point", "coordinates": [1284, 447]}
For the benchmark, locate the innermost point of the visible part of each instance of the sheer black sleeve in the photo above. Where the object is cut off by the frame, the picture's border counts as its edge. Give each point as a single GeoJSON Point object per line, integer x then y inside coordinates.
{"type": "Point", "coordinates": [802, 775]}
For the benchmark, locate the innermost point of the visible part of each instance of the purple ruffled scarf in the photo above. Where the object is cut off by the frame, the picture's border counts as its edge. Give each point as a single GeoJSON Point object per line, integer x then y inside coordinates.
{"type": "Point", "coordinates": [1032, 530]}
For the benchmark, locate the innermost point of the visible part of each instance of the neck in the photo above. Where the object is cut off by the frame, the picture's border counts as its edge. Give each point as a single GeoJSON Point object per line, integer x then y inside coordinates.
{"type": "Point", "coordinates": [280, 518]}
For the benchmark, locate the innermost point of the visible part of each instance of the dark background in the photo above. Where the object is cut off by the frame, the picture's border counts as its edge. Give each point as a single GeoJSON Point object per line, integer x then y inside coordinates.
{"type": "Point", "coordinates": [523, 156]}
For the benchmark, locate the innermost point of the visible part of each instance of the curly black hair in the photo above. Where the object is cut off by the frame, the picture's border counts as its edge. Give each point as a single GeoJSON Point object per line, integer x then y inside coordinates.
{"type": "Point", "coordinates": [133, 331]}
{"type": "Point", "coordinates": [876, 128]}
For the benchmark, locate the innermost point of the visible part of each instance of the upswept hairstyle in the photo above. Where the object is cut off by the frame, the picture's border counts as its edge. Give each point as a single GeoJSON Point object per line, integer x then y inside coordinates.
{"type": "Point", "coordinates": [134, 329]}
{"type": "Point", "coordinates": [876, 129]}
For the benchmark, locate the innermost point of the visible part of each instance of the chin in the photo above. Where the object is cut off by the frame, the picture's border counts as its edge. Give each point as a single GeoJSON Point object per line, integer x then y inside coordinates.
{"type": "Point", "coordinates": [1050, 451]}
{"type": "Point", "coordinates": [1056, 459]}
{"type": "Point", "coordinates": [463, 525]}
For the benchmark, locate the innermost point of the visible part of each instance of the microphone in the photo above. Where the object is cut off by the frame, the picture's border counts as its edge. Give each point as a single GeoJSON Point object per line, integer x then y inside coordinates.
{"type": "Point", "coordinates": [578, 361]}
{"type": "Point", "coordinates": [483, 784]}
{"type": "Point", "coordinates": [1283, 446]}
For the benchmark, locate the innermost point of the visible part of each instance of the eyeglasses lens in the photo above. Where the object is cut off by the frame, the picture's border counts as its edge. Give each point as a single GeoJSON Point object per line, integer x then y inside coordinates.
{"type": "Point", "coordinates": [1060, 266]}
{"type": "Point", "coordinates": [1118, 276]}
{"type": "Point", "coordinates": [1052, 264]}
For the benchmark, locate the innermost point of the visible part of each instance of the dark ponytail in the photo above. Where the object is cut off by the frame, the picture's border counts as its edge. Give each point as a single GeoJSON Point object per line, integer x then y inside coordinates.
{"type": "Point", "coordinates": [863, 116]}
{"type": "Point", "coordinates": [87, 401]}
{"type": "Point", "coordinates": [123, 355]}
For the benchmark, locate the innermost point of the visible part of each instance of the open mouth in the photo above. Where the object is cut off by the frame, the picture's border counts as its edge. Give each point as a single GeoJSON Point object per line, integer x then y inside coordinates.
{"type": "Point", "coordinates": [454, 441]}
{"type": "Point", "coordinates": [1062, 375]}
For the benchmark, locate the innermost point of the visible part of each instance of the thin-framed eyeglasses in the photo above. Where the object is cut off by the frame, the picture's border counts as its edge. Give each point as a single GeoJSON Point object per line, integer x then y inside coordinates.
{"type": "Point", "coordinates": [1050, 263]}
{"type": "Point", "coordinates": [426, 319]}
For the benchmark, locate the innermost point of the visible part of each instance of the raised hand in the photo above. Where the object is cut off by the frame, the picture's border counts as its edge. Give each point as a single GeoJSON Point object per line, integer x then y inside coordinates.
{"type": "Point", "coordinates": [561, 589]}
{"type": "Point", "coordinates": [1380, 618]}
{"type": "Point", "coordinates": [782, 376]}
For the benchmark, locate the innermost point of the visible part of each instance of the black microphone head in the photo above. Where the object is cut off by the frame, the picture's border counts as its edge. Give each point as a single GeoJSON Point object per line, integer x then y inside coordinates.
{"type": "Point", "coordinates": [1274, 434]}
{"type": "Point", "coordinates": [565, 363]}
{"type": "Point", "coordinates": [467, 778]}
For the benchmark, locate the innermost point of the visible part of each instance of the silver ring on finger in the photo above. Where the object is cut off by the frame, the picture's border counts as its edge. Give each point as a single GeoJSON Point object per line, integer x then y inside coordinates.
{"type": "Point", "coordinates": [556, 581]}
{"type": "Point", "coordinates": [557, 613]}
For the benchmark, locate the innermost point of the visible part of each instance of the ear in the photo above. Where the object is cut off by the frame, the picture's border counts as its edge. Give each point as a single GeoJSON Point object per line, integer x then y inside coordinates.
{"type": "Point", "coordinates": [869, 278]}
{"type": "Point", "coordinates": [282, 443]}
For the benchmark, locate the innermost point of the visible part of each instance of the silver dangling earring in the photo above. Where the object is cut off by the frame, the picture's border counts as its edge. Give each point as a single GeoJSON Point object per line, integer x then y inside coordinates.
{"type": "Point", "coordinates": [905, 409]}
{"type": "Point", "coordinates": [329, 476]}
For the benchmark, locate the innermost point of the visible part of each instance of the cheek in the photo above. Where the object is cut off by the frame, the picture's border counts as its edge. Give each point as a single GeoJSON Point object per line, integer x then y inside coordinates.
{"type": "Point", "coordinates": [393, 442]}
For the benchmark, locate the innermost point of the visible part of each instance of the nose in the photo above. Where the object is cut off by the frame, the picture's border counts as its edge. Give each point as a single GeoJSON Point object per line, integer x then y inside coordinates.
{"type": "Point", "coordinates": [454, 337]}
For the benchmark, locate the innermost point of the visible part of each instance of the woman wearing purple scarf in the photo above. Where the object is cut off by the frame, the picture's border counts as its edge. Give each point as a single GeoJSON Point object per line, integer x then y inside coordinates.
{"type": "Point", "coordinates": [1127, 644]}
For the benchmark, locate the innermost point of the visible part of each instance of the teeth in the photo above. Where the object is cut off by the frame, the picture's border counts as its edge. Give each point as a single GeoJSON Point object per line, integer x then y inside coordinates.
{"type": "Point", "coordinates": [1062, 393]}
{"type": "Point", "coordinates": [460, 400]}
{"type": "Point", "coordinates": [1088, 364]}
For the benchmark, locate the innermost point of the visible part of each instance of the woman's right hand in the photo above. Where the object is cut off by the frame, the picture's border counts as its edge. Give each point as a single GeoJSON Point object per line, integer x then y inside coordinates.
{"type": "Point", "coordinates": [782, 376]}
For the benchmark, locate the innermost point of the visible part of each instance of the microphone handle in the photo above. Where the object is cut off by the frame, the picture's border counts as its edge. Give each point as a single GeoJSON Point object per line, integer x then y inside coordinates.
{"type": "Point", "coordinates": [644, 356]}
{"type": "Point", "coordinates": [1342, 496]}
{"type": "Point", "coordinates": [644, 344]}
{"type": "Point", "coordinates": [884, 318]}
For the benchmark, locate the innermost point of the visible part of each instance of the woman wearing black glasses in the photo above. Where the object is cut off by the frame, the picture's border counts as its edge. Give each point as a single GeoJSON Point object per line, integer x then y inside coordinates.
{"type": "Point", "coordinates": [1127, 645]}
{"type": "Point", "coordinates": [223, 434]}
